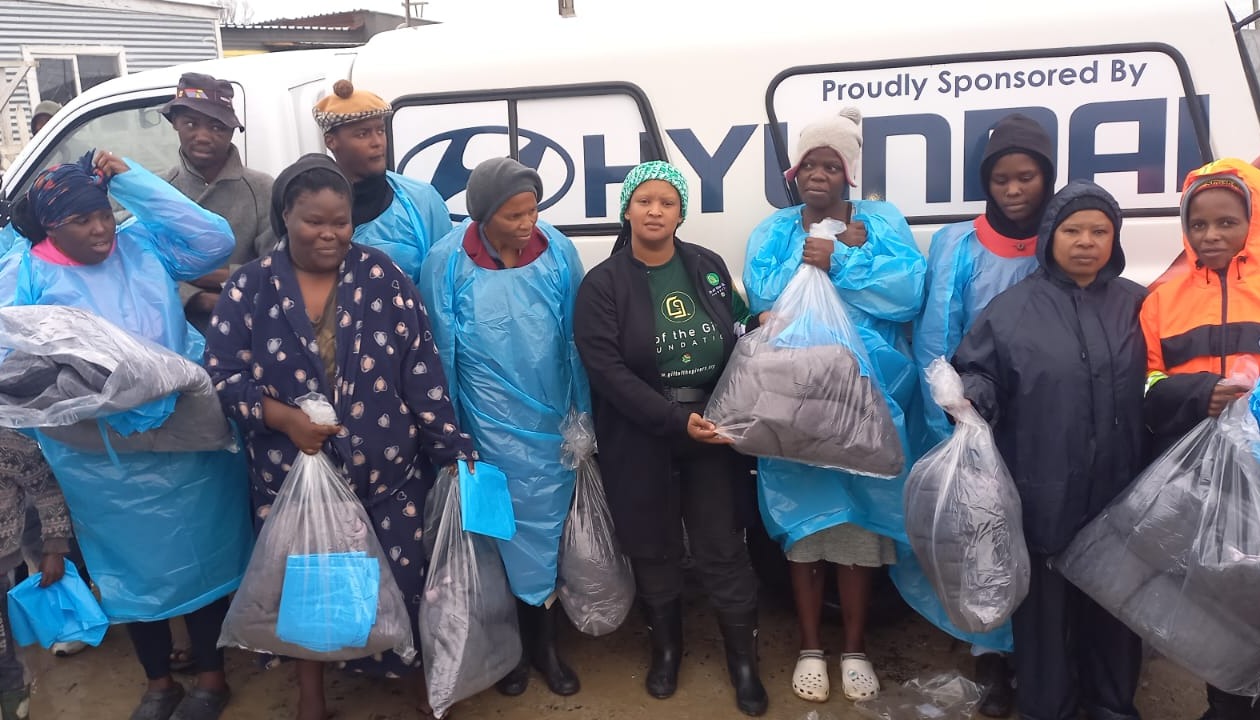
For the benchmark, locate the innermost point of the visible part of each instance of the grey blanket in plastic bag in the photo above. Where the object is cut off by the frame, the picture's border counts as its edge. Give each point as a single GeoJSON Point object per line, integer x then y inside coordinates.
{"type": "Point", "coordinates": [800, 387]}
{"type": "Point", "coordinates": [66, 368]}
{"type": "Point", "coordinates": [1177, 556]}
{"type": "Point", "coordinates": [305, 594]}
{"type": "Point", "coordinates": [963, 516]}
{"type": "Point", "coordinates": [596, 582]}
{"type": "Point", "coordinates": [468, 633]}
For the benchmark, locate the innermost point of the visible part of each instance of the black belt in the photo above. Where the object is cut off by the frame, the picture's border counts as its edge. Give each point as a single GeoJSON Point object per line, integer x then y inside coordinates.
{"type": "Point", "coordinates": [686, 394]}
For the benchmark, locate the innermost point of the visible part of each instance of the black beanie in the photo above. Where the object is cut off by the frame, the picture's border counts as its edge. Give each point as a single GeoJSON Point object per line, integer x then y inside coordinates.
{"type": "Point", "coordinates": [1017, 133]}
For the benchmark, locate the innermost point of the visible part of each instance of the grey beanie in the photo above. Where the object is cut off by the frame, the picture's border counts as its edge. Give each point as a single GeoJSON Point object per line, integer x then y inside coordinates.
{"type": "Point", "coordinates": [494, 182]}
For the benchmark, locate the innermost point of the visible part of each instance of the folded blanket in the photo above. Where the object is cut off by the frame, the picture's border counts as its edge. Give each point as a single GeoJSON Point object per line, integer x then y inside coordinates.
{"type": "Point", "coordinates": [808, 404]}
{"type": "Point", "coordinates": [77, 377]}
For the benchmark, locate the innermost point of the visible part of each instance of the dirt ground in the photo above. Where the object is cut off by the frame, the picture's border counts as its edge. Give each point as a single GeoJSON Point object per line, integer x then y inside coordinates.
{"type": "Point", "coordinates": [105, 683]}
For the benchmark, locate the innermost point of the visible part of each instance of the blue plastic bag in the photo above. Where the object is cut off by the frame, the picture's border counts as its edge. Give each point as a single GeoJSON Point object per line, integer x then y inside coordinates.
{"type": "Point", "coordinates": [328, 602]}
{"type": "Point", "coordinates": [65, 611]}
{"type": "Point", "coordinates": [484, 501]}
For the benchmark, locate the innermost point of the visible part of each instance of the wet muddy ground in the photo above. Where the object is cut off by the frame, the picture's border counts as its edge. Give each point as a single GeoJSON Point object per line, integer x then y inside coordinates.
{"type": "Point", "coordinates": [105, 683]}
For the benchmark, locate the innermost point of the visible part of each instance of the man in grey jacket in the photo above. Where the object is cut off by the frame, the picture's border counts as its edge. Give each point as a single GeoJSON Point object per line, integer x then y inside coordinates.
{"type": "Point", "coordinates": [210, 172]}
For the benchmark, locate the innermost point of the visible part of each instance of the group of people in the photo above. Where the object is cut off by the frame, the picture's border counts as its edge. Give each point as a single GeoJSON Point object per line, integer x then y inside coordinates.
{"type": "Point", "coordinates": [478, 342]}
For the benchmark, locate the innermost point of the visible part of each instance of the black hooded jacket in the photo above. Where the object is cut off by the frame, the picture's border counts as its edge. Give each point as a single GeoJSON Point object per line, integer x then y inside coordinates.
{"type": "Point", "coordinates": [1058, 370]}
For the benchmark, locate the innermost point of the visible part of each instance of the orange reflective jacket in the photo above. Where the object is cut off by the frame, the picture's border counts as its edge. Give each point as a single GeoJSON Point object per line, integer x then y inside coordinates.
{"type": "Point", "coordinates": [1197, 320]}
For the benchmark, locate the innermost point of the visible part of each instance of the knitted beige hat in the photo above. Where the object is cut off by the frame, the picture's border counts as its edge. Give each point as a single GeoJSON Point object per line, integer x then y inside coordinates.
{"type": "Point", "coordinates": [842, 133]}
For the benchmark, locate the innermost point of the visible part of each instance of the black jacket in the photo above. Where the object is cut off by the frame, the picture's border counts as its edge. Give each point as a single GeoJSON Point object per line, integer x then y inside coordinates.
{"type": "Point", "coordinates": [1059, 371]}
{"type": "Point", "coordinates": [614, 326]}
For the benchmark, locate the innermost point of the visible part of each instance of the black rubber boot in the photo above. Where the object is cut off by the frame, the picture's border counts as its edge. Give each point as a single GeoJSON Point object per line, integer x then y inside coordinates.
{"type": "Point", "coordinates": [561, 680]}
{"type": "Point", "coordinates": [665, 628]}
{"type": "Point", "coordinates": [1224, 706]}
{"type": "Point", "coordinates": [739, 630]}
{"type": "Point", "coordinates": [993, 675]}
{"type": "Point", "coordinates": [516, 681]}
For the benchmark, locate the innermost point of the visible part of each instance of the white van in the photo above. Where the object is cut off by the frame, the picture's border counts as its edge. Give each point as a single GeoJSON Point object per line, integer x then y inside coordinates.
{"type": "Point", "coordinates": [1136, 93]}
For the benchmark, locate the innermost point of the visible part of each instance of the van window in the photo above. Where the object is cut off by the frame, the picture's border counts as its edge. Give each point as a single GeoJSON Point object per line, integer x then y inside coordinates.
{"type": "Point", "coordinates": [134, 129]}
{"type": "Point", "coordinates": [140, 134]}
{"type": "Point", "coordinates": [581, 139]}
{"type": "Point", "coordinates": [926, 121]}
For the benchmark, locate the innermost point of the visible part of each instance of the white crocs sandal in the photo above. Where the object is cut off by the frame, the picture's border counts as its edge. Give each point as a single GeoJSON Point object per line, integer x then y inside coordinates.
{"type": "Point", "coordinates": [809, 680]}
{"type": "Point", "coordinates": [860, 681]}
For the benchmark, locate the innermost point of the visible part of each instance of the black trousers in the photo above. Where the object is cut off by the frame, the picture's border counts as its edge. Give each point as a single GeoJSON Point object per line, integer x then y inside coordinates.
{"type": "Point", "coordinates": [1224, 706]}
{"type": "Point", "coordinates": [702, 497]}
{"type": "Point", "coordinates": [153, 643]}
{"type": "Point", "coordinates": [1070, 653]}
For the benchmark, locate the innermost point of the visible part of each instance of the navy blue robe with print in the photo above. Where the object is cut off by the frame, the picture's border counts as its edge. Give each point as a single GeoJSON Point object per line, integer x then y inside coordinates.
{"type": "Point", "coordinates": [389, 392]}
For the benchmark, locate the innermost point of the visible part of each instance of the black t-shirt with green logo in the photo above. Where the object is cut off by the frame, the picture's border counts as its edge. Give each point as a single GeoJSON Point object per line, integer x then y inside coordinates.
{"type": "Point", "coordinates": [688, 343]}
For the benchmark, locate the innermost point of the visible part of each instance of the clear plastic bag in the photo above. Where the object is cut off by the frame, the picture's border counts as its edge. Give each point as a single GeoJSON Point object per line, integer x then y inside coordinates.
{"type": "Point", "coordinates": [948, 696]}
{"type": "Point", "coordinates": [75, 375]}
{"type": "Point", "coordinates": [318, 585]}
{"type": "Point", "coordinates": [468, 633]}
{"type": "Point", "coordinates": [963, 516]}
{"type": "Point", "coordinates": [801, 386]}
{"type": "Point", "coordinates": [1177, 556]}
{"type": "Point", "coordinates": [596, 582]}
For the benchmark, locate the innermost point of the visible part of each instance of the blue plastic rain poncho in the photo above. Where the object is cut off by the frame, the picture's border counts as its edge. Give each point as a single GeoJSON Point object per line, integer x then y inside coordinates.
{"type": "Point", "coordinates": [506, 341]}
{"type": "Point", "coordinates": [162, 533]}
{"type": "Point", "coordinates": [409, 227]}
{"type": "Point", "coordinates": [962, 277]}
{"type": "Point", "coordinates": [881, 283]}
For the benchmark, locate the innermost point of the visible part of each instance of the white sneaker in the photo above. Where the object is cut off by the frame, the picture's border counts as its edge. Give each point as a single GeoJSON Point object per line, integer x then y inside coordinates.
{"type": "Point", "coordinates": [66, 649]}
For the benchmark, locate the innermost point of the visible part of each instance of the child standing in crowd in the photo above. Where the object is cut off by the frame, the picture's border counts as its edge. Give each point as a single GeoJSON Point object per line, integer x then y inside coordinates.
{"type": "Point", "coordinates": [969, 263]}
{"type": "Point", "coordinates": [1199, 323]}
{"type": "Point", "coordinates": [815, 512]}
{"type": "Point", "coordinates": [25, 477]}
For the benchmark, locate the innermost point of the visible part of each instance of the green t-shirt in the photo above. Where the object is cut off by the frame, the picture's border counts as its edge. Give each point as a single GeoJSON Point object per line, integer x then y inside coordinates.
{"type": "Point", "coordinates": [688, 343]}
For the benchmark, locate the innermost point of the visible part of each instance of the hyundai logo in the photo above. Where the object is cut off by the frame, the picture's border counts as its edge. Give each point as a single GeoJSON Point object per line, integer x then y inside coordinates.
{"type": "Point", "coordinates": [450, 177]}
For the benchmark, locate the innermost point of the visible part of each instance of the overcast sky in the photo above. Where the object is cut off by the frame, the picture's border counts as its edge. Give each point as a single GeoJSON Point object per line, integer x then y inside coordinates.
{"type": "Point", "coordinates": [463, 10]}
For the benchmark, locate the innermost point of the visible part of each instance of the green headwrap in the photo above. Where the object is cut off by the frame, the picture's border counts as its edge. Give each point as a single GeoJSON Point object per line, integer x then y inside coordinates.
{"type": "Point", "coordinates": [653, 170]}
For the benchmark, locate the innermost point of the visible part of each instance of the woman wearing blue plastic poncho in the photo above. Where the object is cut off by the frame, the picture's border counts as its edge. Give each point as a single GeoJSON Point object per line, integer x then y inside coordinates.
{"type": "Point", "coordinates": [821, 515]}
{"type": "Point", "coordinates": [969, 263]}
{"type": "Point", "coordinates": [325, 315]}
{"type": "Point", "coordinates": [500, 290]}
{"type": "Point", "coordinates": [165, 534]}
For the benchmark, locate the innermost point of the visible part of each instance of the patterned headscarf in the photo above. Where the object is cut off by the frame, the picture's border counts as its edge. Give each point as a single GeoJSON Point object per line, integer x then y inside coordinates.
{"type": "Point", "coordinates": [653, 170]}
{"type": "Point", "coordinates": [63, 191]}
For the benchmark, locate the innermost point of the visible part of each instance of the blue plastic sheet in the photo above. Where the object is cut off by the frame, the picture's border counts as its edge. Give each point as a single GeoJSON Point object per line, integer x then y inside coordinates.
{"type": "Point", "coordinates": [962, 277]}
{"type": "Point", "coordinates": [506, 341]}
{"type": "Point", "coordinates": [328, 602]}
{"type": "Point", "coordinates": [485, 503]}
{"type": "Point", "coordinates": [165, 533]}
{"type": "Point", "coordinates": [65, 611]}
{"type": "Point", "coordinates": [412, 223]}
